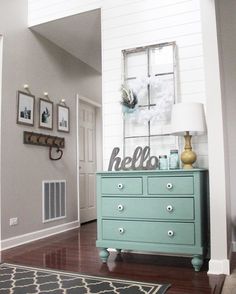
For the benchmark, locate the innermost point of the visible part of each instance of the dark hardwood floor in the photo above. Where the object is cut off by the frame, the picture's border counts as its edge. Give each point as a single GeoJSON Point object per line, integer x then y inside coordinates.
{"type": "Point", "coordinates": [75, 251]}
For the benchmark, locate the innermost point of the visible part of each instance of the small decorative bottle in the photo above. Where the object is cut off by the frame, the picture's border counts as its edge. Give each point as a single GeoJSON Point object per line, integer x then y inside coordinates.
{"type": "Point", "coordinates": [163, 162]}
{"type": "Point", "coordinates": [174, 159]}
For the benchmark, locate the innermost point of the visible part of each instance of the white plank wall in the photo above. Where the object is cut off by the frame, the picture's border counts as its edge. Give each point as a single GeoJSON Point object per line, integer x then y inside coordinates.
{"type": "Point", "coordinates": [138, 23]}
{"type": "Point", "coordinates": [132, 23]}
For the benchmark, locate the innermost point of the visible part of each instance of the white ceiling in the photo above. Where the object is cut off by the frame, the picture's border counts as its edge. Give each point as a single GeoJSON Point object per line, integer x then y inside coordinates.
{"type": "Point", "coordinates": [79, 34]}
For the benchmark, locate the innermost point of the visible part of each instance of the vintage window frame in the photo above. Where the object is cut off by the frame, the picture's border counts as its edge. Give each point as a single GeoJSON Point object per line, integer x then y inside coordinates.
{"type": "Point", "coordinates": [149, 135]}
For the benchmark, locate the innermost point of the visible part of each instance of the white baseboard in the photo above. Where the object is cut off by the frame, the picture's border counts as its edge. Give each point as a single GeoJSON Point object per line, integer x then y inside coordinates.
{"type": "Point", "coordinates": [26, 238]}
{"type": "Point", "coordinates": [218, 267]}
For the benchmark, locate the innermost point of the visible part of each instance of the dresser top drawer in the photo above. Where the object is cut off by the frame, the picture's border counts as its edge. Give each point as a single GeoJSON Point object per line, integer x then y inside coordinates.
{"type": "Point", "coordinates": [170, 185]}
{"type": "Point", "coordinates": [121, 186]}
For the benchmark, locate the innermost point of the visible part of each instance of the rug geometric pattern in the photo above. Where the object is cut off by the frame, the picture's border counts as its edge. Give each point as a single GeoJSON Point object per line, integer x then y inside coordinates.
{"type": "Point", "coordinates": [16, 279]}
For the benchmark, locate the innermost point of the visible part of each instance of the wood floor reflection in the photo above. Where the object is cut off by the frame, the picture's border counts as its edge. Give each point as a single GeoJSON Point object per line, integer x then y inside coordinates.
{"type": "Point", "coordinates": [75, 251]}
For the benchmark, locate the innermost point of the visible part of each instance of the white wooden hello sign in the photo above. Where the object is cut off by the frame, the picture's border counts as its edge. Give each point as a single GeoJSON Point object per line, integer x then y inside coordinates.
{"type": "Point", "coordinates": [141, 160]}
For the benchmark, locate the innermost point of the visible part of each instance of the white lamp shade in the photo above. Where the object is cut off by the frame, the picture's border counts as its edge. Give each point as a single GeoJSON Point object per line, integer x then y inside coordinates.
{"type": "Point", "coordinates": [188, 116]}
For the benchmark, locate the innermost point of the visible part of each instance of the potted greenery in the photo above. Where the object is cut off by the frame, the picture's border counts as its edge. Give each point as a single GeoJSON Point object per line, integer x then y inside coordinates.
{"type": "Point", "coordinates": [129, 100]}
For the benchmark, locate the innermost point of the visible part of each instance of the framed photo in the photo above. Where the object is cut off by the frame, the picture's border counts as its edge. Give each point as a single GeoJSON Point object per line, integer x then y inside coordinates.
{"type": "Point", "coordinates": [45, 114]}
{"type": "Point", "coordinates": [25, 109]}
{"type": "Point", "coordinates": [63, 118]}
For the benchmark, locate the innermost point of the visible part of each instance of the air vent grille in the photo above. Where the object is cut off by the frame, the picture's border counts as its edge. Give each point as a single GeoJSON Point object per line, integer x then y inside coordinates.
{"type": "Point", "coordinates": [54, 200]}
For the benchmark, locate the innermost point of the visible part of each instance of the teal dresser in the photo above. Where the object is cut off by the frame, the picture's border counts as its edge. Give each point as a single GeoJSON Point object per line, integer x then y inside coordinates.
{"type": "Point", "coordinates": [153, 211]}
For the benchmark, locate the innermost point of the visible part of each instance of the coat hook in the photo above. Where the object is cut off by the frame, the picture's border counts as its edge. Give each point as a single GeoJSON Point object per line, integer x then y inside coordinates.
{"type": "Point", "coordinates": [46, 139]}
{"type": "Point", "coordinates": [61, 143]}
{"type": "Point", "coordinates": [39, 137]}
{"type": "Point", "coordinates": [57, 151]}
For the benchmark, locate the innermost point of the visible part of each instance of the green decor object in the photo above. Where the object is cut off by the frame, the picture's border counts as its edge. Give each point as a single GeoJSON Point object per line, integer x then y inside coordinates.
{"type": "Point", "coordinates": [129, 100]}
{"type": "Point", "coordinates": [174, 159]}
{"type": "Point", "coordinates": [163, 162]}
{"type": "Point", "coordinates": [162, 211]}
{"type": "Point", "coordinates": [22, 279]}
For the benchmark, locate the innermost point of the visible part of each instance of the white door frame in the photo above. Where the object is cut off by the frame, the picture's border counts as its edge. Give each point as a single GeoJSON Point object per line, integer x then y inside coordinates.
{"type": "Point", "coordinates": [1, 60]}
{"type": "Point", "coordinates": [99, 155]}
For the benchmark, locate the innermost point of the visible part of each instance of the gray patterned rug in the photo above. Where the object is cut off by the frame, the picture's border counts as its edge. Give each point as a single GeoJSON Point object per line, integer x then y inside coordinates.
{"type": "Point", "coordinates": [16, 279]}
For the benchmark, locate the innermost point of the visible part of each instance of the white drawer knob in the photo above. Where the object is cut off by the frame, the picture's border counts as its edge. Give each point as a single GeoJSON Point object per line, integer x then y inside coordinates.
{"type": "Point", "coordinates": [121, 230]}
{"type": "Point", "coordinates": [169, 208]}
{"type": "Point", "coordinates": [120, 186]}
{"type": "Point", "coordinates": [169, 186]}
{"type": "Point", "coordinates": [170, 233]}
{"type": "Point", "coordinates": [120, 207]}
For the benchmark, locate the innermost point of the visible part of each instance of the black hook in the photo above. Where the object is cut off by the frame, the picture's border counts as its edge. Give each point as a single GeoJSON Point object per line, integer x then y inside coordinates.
{"type": "Point", "coordinates": [58, 151]}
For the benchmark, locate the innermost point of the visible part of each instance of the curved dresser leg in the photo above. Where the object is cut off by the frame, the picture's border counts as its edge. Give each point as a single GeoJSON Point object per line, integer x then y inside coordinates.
{"type": "Point", "coordinates": [197, 262]}
{"type": "Point", "coordinates": [104, 253]}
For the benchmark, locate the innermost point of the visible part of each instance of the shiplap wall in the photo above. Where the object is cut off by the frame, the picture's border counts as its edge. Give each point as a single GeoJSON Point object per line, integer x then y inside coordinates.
{"type": "Point", "coordinates": [132, 23]}
{"type": "Point", "coordinates": [128, 24]}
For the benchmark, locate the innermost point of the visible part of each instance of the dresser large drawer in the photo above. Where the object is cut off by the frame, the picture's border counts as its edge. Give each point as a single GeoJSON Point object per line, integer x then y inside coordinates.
{"type": "Point", "coordinates": [150, 232]}
{"type": "Point", "coordinates": [170, 185]}
{"type": "Point", "coordinates": [122, 186]}
{"type": "Point", "coordinates": [151, 208]}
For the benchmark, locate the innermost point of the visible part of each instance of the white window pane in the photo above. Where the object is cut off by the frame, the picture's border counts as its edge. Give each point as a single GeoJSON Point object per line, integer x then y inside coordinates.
{"type": "Point", "coordinates": [162, 96]}
{"type": "Point", "coordinates": [161, 60]}
{"type": "Point", "coordinates": [136, 64]}
{"type": "Point", "coordinates": [162, 145]}
{"type": "Point", "coordinates": [132, 144]}
{"type": "Point", "coordinates": [135, 125]}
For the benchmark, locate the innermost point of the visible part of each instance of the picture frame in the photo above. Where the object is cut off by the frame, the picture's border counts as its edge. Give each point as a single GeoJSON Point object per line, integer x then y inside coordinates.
{"type": "Point", "coordinates": [45, 114]}
{"type": "Point", "coordinates": [25, 108]}
{"type": "Point", "coordinates": [63, 118]}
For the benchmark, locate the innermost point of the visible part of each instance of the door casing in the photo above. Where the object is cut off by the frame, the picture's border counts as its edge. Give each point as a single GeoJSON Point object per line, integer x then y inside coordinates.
{"type": "Point", "coordinates": [99, 148]}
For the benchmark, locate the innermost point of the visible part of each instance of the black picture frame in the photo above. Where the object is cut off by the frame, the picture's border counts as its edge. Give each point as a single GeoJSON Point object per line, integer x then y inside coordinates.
{"type": "Point", "coordinates": [25, 108]}
{"type": "Point", "coordinates": [45, 114]}
{"type": "Point", "coordinates": [63, 118]}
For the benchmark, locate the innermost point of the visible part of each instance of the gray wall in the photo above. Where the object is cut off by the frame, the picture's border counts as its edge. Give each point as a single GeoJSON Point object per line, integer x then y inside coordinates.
{"type": "Point", "coordinates": [227, 46]}
{"type": "Point", "coordinates": [30, 59]}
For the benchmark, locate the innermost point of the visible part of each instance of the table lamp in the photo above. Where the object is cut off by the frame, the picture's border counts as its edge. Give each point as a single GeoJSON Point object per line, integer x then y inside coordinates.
{"type": "Point", "coordinates": [188, 119]}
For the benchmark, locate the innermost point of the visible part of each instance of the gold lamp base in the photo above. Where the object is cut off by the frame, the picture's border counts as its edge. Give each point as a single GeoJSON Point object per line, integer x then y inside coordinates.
{"type": "Point", "coordinates": [188, 157]}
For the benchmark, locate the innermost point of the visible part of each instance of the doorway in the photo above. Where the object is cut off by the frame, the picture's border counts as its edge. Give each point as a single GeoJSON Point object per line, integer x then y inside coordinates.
{"type": "Point", "coordinates": [89, 157]}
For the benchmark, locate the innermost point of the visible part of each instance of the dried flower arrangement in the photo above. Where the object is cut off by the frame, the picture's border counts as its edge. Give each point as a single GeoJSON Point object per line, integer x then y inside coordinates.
{"type": "Point", "coordinates": [129, 98]}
